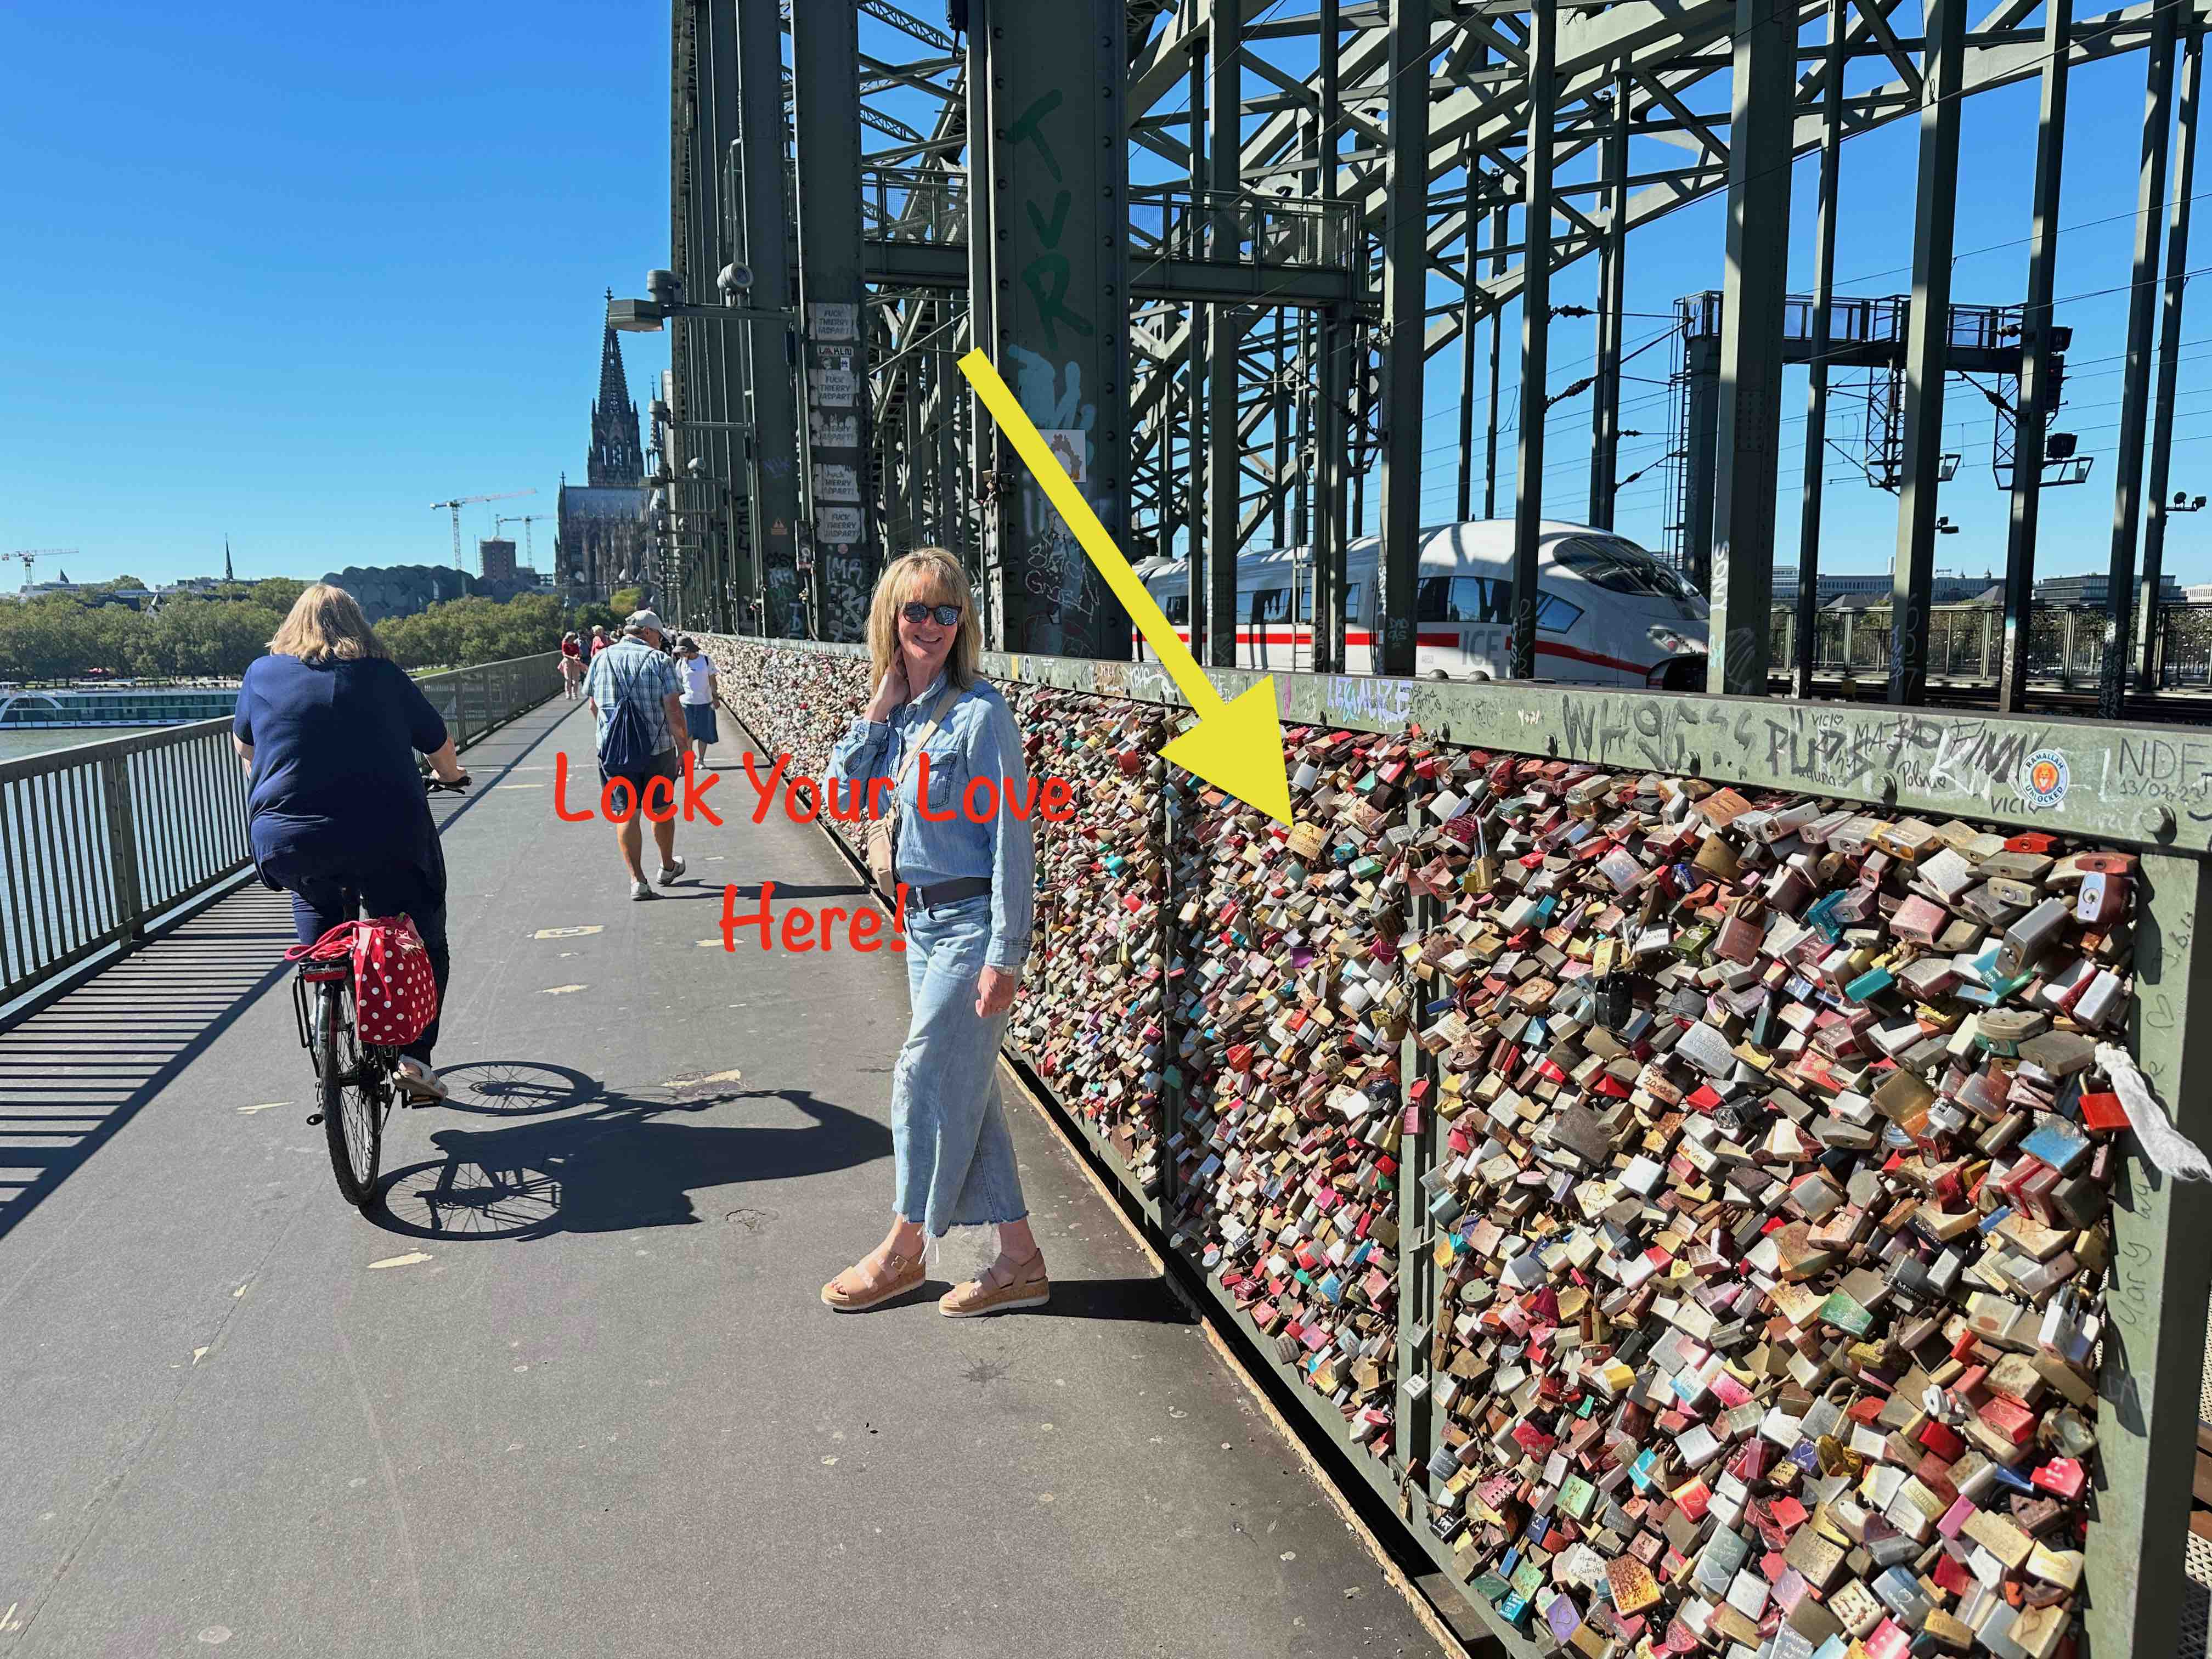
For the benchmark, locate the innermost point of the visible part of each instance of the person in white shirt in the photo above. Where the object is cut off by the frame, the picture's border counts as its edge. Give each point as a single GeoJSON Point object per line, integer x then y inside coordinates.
{"type": "Point", "coordinates": [699, 684]}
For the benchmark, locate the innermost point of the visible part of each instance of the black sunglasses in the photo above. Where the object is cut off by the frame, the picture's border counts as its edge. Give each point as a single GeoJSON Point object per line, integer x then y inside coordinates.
{"type": "Point", "coordinates": [948, 615]}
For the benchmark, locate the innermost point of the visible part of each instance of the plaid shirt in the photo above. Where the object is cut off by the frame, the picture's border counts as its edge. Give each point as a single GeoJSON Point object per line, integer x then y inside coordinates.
{"type": "Point", "coordinates": [632, 671]}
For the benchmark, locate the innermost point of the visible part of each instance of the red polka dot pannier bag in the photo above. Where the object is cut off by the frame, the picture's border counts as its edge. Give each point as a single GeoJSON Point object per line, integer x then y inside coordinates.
{"type": "Point", "coordinates": [395, 995]}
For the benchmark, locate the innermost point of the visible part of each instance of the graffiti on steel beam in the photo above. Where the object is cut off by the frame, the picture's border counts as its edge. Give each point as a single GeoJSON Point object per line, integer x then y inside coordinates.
{"type": "Point", "coordinates": [2160, 770]}
{"type": "Point", "coordinates": [845, 598]}
{"type": "Point", "coordinates": [1382, 704]}
{"type": "Point", "coordinates": [1063, 601]}
{"type": "Point", "coordinates": [1048, 275]}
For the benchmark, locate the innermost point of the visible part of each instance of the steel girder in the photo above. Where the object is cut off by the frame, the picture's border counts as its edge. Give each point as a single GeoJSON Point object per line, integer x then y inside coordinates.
{"type": "Point", "coordinates": [1664, 67]}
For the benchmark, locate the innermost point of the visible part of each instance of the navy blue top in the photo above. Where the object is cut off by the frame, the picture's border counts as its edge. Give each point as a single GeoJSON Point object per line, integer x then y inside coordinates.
{"type": "Point", "coordinates": [334, 747]}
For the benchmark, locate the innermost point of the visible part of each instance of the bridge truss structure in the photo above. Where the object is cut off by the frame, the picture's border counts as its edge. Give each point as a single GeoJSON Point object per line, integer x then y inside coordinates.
{"type": "Point", "coordinates": [1220, 246]}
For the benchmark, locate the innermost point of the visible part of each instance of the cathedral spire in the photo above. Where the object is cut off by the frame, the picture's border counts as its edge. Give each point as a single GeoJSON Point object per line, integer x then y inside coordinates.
{"type": "Point", "coordinates": [226, 576]}
{"type": "Point", "coordinates": [617, 460]}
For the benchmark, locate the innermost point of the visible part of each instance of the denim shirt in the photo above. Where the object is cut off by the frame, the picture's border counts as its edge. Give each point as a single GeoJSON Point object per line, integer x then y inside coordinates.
{"type": "Point", "coordinates": [977, 738]}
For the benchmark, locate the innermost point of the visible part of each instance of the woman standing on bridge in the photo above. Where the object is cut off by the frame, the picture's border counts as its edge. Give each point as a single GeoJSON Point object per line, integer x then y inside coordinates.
{"type": "Point", "coordinates": [572, 666]}
{"type": "Point", "coordinates": [967, 918]}
{"type": "Point", "coordinates": [329, 725]}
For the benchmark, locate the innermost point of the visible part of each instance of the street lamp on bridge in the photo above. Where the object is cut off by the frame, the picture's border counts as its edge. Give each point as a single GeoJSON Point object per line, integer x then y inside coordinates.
{"type": "Point", "coordinates": [648, 316]}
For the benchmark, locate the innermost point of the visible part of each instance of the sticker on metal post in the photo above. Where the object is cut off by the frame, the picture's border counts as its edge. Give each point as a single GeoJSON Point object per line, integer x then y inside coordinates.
{"type": "Point", "coordinates": [2044, 778]}
{"type": "Point", "coordinates": [1070, 446]}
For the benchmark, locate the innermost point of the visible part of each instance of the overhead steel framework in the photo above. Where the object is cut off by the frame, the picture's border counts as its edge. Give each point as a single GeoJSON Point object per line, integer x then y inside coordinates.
{"type": "Point", "coordinates": [1219, 246]}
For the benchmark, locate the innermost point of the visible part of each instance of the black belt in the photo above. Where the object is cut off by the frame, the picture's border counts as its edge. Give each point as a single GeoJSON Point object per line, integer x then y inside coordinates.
{"type": "Point", "coordinates": [948, 892]}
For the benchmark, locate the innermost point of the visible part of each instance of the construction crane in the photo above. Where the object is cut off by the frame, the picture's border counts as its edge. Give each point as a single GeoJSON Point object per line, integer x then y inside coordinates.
{"type": "Point", "coordinates": [460, 501]}
{"type": "Point", "coordinates": [31, 556]}
{"type": "Point", "coordinates": [529, 557]}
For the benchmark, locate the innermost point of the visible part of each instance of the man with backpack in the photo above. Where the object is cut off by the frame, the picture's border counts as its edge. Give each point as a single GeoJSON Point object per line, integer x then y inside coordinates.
{"type": "Point", "coordinates": [638, 702]}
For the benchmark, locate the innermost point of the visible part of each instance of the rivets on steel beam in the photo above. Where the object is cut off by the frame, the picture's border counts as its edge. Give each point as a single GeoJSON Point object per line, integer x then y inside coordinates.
{"type": "Point", "coordinates": [2158, 822]}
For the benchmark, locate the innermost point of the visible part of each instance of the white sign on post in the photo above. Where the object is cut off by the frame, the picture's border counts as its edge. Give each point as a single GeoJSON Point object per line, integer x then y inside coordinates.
{"type": "Point", "coordinates": [835, 483]}
{"type": "Point", "coordinates": [837, 526]}
{"type": "Point", "coordinates": [833, 320]}
{"type": "Point", "coordinates": [832, 431]}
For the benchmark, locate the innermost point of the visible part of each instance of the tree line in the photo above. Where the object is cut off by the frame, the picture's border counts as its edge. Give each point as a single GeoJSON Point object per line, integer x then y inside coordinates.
{"type": "Point", "coordinates": [58, 636]}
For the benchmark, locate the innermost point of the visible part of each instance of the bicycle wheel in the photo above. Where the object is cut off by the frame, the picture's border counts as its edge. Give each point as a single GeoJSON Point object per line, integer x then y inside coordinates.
{"type": "Point", "coordinates": [351, 1117]}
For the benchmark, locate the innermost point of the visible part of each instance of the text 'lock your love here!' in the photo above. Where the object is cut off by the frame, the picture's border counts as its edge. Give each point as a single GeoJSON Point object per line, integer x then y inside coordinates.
{"type": "Point", "coordinates": [805, 799]}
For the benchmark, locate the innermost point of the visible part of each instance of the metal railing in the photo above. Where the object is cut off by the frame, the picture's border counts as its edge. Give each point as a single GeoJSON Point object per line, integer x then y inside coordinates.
{"type": "Point", "coordinates": [2065, 643]}
{"type": "Point", "coordinates": [1172, 221]}
{"type": "Point", "coordinates": [100, 840]}
{"type": "Point", "coordinates": [913, 205]}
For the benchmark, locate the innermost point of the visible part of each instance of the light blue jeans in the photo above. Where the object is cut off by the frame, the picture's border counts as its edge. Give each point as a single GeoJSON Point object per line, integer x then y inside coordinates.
{"type": "Point", "coordinates": [955, 1159]}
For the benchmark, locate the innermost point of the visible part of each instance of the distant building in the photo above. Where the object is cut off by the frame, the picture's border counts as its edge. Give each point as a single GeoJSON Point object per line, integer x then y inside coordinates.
{"type": "Point", "coordinates": [495, 558]}
{"type": "Point", "coordinates": [137, 598]}
{"type": "Point", "coordinates": [2091, 589]}
{"type": "Point", "coordinates": [602, 534]}
{"type": "Point", "coordinates": [401, 590]}
{"type": "Point", "coordinates": [192, 587]}
{"type": "Point", "coordinates": [1861, 587]}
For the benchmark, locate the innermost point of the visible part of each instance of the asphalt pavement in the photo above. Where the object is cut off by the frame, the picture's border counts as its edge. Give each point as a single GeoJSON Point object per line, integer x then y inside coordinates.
{"type": "Point", "coordinates": [571, 1391]}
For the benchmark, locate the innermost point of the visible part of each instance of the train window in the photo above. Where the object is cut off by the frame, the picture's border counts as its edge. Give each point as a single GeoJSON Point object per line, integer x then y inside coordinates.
{"type": "Point", "coordinates": [1619, 567]}
{"type": "Point", "coordinates": [1177, 607]}
{"type": "Point", "coordinates": [1480, 599]}
{"type": "Point", "coordinates": [1353, 600]}
{"type": "Point", "coordinates": [1270, 604]}
{"type": "Point", "coordinates": [1554, 615]}
{"type": "Point", "coordinates": [1432, 599]}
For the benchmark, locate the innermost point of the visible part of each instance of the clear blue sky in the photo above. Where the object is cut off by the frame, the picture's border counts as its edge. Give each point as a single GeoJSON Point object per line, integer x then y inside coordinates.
{"type": "Point", "coordinates": [289, 275]}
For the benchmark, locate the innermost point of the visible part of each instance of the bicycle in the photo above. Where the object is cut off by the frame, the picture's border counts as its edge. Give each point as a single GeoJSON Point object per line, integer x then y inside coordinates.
{"type": "Point", "coordinates": [354, 1081]}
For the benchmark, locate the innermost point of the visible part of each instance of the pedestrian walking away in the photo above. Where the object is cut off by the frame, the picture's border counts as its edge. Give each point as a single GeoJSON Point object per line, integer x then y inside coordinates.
{"type": "Point", "coordinates": [637, 700]}
{"type": "Point", "coordinates": [967, 920]}
{"type": "Point", "coordinates": [701, 688]}
{"type": "Point", "coordinates": [328, 727]}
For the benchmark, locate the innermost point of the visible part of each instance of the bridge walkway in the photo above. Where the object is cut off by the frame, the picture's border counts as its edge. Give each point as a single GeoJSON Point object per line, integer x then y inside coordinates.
{"type": "Point", "coordinates": [592, 1406]}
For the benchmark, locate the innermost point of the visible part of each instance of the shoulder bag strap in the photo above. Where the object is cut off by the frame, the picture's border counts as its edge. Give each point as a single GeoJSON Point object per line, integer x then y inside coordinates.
{"type": "Point", "coordinates": [915, 740]}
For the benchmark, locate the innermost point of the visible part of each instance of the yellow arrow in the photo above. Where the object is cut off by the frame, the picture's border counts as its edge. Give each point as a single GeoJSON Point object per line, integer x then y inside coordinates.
{"type": "Point", "coordinates": [1235, 746]}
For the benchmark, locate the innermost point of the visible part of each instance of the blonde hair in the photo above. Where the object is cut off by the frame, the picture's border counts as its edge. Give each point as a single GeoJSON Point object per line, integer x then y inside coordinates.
{"type": "Point", "coordinates": [934, 575]}
{"type": "Point", "coordinates": [326, 625]}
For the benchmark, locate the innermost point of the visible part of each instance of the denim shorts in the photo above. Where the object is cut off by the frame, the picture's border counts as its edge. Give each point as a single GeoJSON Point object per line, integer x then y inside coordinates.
{"type": "Point", "coordinates": [954, 1157]}
{"type": "Point", "coordinates": [666, 764]}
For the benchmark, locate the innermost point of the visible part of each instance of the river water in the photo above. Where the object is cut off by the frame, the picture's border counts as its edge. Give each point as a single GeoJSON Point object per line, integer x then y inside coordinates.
{"type": "Point", "coordinates": [18, 743]}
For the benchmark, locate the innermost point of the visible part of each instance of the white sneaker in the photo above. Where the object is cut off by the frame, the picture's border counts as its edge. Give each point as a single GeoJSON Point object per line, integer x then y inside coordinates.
{"type": "Point", "coordinates": [641, 888]}
{"type": "Point", "coordinates": [420, 1081]}
{"type": "Point", "coordinates": [670, 871]}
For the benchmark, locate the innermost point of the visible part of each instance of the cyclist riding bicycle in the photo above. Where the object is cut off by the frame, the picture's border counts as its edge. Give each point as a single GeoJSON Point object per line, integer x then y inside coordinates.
{"type": "Point", "coordinates": [328, 727]}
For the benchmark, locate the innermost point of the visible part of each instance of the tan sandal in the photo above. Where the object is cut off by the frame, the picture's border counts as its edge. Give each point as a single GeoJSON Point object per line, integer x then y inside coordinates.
{"type": "Point", "coordinates": [861, 1287]}
{"type": "Point", "coordinates": [999, 1289]}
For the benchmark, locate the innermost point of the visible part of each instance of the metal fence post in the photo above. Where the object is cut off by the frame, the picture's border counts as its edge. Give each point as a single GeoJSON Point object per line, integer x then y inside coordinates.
{"type": "Point", "coordinates": [122, 847]}
{"type": "Point", "coordinates": [2155, 1296]}
{"type": "Point", "coordinates": [1416, 1286]}
{"type": "Point", "coordinates": [1171, 1097]}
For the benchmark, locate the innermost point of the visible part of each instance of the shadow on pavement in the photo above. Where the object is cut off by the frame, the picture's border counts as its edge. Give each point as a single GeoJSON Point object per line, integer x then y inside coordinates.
{"type": "Point", "coordinates": [622, 1161]}
{"type": "Point", "coordinates": [73, 1073]}
{"type": "Point", "coordinates": [1145, 1300]}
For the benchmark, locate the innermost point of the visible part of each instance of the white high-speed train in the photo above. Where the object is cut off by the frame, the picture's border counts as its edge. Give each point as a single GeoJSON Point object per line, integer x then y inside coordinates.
{"type": "Point", "coordinates": [1607, 613]}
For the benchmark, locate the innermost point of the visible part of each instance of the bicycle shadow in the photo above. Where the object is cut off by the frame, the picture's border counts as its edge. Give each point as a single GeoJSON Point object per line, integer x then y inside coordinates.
{"type": "Point", "coordinates": [611, 1160]}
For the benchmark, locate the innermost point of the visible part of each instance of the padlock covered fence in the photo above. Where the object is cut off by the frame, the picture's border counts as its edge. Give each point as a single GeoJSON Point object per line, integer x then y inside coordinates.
{"type": "Point", "coordinates": [1684, 1149]}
